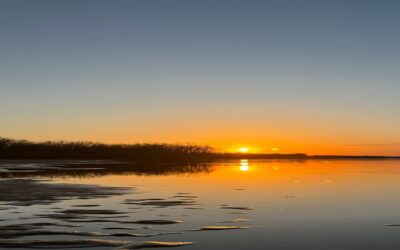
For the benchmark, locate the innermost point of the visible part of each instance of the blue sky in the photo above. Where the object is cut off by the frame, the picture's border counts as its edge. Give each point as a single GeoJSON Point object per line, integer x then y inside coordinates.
{"type": "Point", "coordinates": [297, 74]}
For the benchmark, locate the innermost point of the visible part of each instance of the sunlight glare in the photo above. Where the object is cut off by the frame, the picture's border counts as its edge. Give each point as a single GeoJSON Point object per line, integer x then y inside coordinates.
{"type": "Point", "coordinates": [243, 150]}
{"type": "Point", "coordinates": [244, 165]}
{"type": "Point", "coordinates": [244, 168]}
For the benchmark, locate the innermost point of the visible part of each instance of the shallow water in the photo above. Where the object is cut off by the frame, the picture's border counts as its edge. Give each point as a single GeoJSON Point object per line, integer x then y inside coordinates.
{"type": "Point", "coordinates": [313, 204]}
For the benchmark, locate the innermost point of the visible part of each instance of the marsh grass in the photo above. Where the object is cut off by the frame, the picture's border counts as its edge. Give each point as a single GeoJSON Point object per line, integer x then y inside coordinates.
{"type": "Point", "coordinates": [22, 149]}
{"type": "Point", "coordinates": [144, 152]}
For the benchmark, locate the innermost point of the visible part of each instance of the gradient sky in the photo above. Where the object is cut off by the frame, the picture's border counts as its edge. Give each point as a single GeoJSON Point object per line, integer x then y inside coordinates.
{"type": "Point", "coordinates": [303, 76]}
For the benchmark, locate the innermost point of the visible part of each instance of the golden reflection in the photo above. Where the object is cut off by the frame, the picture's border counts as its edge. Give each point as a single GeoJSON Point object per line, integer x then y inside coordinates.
{"type": "Point", "coordinates": [244, 168]}
{"type": "Point", "coordinates": [306, 178]}
{"type": "Point", "coordinates": [244, 165]}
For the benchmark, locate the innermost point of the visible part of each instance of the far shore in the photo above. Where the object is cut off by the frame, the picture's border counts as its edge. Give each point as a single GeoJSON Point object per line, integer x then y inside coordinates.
{"type": "Point", "coordinates": [204, 159]}
{"type": "Point", "coordinates": [156, 152]}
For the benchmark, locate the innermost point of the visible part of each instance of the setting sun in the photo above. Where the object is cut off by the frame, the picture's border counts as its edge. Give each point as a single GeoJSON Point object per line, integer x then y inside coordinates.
{"type": "Point", "coordinates": [244, 150]}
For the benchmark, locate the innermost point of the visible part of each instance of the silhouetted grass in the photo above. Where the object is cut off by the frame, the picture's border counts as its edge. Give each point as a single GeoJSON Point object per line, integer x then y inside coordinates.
{"type": "Point", "coordinates": [22, 149]}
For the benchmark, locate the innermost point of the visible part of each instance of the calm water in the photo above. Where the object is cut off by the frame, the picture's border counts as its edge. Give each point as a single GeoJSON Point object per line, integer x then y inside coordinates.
{"type": "Point", "coordinates": [288, 204]}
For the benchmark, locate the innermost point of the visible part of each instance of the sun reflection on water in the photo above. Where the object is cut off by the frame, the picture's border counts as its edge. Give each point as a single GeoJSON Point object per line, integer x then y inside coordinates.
{"type": "Point", "coordinates": [244, 165]}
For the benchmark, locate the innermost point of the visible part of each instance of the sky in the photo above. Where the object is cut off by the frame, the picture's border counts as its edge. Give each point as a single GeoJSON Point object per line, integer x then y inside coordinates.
{"type": "Point", "coordinates": [320, 77]}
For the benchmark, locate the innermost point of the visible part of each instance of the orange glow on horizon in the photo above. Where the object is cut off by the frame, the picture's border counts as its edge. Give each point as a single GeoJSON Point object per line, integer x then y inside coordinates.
{"type": "Point", "coordinates": [258, 143]}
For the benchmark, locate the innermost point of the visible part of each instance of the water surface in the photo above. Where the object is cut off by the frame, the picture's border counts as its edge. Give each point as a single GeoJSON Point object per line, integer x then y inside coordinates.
{"type": "Point", "coordinates": [312, 204]}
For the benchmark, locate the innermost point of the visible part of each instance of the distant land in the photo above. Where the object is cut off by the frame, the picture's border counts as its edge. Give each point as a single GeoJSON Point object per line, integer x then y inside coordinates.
{"type": "Point", "coordinates": [11, 149]}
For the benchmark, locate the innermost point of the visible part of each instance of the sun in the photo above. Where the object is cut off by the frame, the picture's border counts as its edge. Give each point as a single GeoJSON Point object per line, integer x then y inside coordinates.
{"type": "Point", "coordinates": [244, 150]}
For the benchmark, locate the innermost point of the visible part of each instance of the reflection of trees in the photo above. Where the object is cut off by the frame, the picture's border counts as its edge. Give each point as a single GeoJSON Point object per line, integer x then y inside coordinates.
{"type": "Point", "coordinates": [99, 169]}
